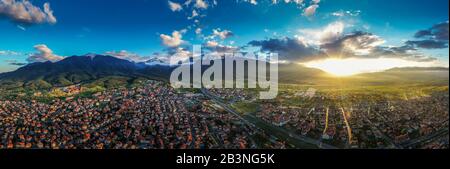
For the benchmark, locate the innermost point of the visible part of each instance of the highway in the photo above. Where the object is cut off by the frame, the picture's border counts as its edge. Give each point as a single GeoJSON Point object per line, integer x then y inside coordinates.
{"type": "Point", "coordinates": [269, 128]}
{"type": "Point", "coordinates": [425, 139]}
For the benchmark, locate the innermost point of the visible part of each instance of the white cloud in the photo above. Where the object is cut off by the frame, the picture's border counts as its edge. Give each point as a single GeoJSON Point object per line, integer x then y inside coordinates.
{"type": "Point", "coordinates": [8, 53]}
{"type": "Point", "coordinates": [253, 2]}
{"type": "Point", "coordinates": [25, 12]}
{"type": "Point", "coordinates": [50, 17]}
{"type": "Point", "coordinates": [183, 31]}
{"type": "Point", "coordinates": [172, 41]}
{"type": "Point", "coordinates": [215, 48]}
{"type": "Point", "coordinates": [323, 35]}
{"type": "Point", "coordinates": [222, 34]}
{"type": "Point", "coordinates": [362, 45]}
{"type": "Point", "coordinates": [342, 13]}
{"type": "Point", "coordinates": [194, 14]}
{"type": "Point", "coordinates": [212, 44]}
{"type": "Point", "coordinates": [175, 6]}
{"type": "Point", "coordinates": [199, 7]}
{"type": "Point", "coordinates": [178, 54]}
{"type": "Point", "coordinates": [298, 2]}
{"type": "Point", "coordinates": [201, 4]}
{"type": "Point", "coordinates": [198, 31]}
{"type": "Point", "coordinates": [44, 54]}
{"type": "Point", "coordinates": [21, 27]}
{"type": "Point", "coordinates": [338, 13]}
{"type": "Point", "coordinates": [123, 54]}
{"type": "Point", "coordinates": [311, 10]}
{"type": "Point", "coordinates": [187, 3]}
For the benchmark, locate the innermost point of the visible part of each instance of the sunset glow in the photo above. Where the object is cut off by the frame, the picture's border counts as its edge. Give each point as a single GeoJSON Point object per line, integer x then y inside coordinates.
{"type": "Point", "coordinates": [353, 66]}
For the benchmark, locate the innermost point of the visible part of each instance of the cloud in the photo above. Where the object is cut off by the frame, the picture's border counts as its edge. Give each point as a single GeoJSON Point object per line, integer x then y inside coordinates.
{"type": "Point", "coordinates": [332, 42]}
{"type": "Point", "coordinates": [212, 44]}
{"type": "Point", "coordinates": [342, 13]}
{"type": "Point", "coordinates": [199, 8]}
{"type": "Point", "coordinates": [298, 2]}
{"type": "Point", "coordinates": [26, 13]}
{"type": "Point", "coordinates": [289, 49]}
{"type": "Point", "coordinates": [360, 44]}
{"type": "Point", "coordinates": [44, 54]}
{"type": "Point", "coordinates": [172, 41]}
{"type": "Point", "coordinates": [177, 54]}
{"type": "Point", "coordinates": [436, 32]}
{"type": "Point", "coordinates": [50, 17]}
{"type": "Point", "coordinates": [21, 28]}
{"type": "Point", "coordinates": [175, 6]}
{"type": "Point", "coordinates": [194, 14]}
{"type": "Point", "coordinates": [222, 34]}
{"type": "Point", "coordinates": [8, 53]}
{"type": "Point", "coordinates": [125, 55]}
{"type": "Point", "coordinates": [435, 37]}
{"type": "Point", "coordinates": [252, 2]}
{"type": "Point", "coordinates": [201, 4]}
{"type": "Point", "coordinates": [198, 31]}
{"type": "Point", "coordinates": [310, 10]}
{"type": "Point", "coordinates": [18, 64]}
{"type": "Point", "coordinates": [215, 47]}
{"type": "Point", "coordinates": [428, 44]}
{"type": "Point", "coordinates": [368, 46]}
{"type": "Point", "coordinates": [402, 52]}
{"type": "Point", "coordinates": [15, 63]}
{"type": "Point", "coordinates": [356, 43]}
{"type": "Point", "coordinates": [330, 33]}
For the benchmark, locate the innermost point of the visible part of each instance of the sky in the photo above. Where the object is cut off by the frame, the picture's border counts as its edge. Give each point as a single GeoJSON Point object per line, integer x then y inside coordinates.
{"type": "Point", "coordinates": [316, 33]}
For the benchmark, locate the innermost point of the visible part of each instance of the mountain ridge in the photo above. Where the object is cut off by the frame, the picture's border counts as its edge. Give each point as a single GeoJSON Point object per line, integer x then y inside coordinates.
{"type": "Point", "coordinates": [79, 69]}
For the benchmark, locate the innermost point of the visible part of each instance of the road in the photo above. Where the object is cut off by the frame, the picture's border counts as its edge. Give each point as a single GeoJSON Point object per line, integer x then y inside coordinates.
{"type": "Point", "coordinates": [379, 132]}
{"type": "Point", "coordinates": [349, 130]}
{"type": "Point", "coordinates": [326, 121]}
{"type": "Point", "coordinates": [269, 128]}
{"type": "Point", "coordinates": [424, 139]}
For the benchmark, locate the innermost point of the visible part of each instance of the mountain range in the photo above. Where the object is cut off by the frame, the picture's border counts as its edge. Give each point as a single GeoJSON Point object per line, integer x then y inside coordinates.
{"type": "Point", "coordinates": [78, 69]}
{"type": "Point", "coordinates": [81, 69]}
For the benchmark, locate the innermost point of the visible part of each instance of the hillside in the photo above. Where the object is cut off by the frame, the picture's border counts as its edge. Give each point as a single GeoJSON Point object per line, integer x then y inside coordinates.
{"type": "Point", "coordinates": [89, 69]}
{"type": "Point", "coordinates": [76, 69]}
{"type": "Point", "coordinates": [297, 74]}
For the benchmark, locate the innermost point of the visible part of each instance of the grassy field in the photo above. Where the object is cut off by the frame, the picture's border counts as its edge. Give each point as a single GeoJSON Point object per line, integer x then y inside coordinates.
{"type": "Point", "coordinates": [87, 89]}
{"type": "Point", "coordinates": [245, 107]}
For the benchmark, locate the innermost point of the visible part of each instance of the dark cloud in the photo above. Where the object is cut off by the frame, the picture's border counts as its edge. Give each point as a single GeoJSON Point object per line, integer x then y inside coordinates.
{"type": "Point", "coordinates": [18, 64]}
{"type": "Point", "coordinates": [437, 32]}
{"type": "Point", "coordinates": [435, 37]}
{"type": "Point", "coordinates": [289, 49]}
{"type": "Point", "coordinates": [403, 52]}
{"type": "Point", "coordinates": [403, 49]}
{"type": "Point", "coordinates": [356, 43]}
{"type": "Point", "coordinates": [428, 44]}
{"type": "Point", "coordinates": [15, 63]}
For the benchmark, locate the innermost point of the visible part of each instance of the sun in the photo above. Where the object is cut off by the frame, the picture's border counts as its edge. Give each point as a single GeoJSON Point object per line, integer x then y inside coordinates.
{"type": "Point", "coordinates": [354, 66]}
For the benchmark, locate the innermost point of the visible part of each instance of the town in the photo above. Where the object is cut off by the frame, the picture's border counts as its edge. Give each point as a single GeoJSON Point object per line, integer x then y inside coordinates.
{"type": "Point", "coordinates": [154, 115]}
